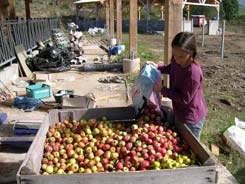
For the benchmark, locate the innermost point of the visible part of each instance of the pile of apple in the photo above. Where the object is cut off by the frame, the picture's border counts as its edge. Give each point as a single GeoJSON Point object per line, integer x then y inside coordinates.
{"type": "Point", "coordinates": [90, 146]}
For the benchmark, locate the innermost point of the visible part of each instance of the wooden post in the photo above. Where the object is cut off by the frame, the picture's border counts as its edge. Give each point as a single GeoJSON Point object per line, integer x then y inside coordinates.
{"type": "Point", "coordinates": [97, 14]}
{"type": "Point", "coordinates": [173, 22]}
{"type": "Point", "coordinates": [162, 12]}
{"type": "Point", "coordinates": [111, 19]}
{"type": "Point", "coordinates": [223, 40]}
{"type": "Point", "coordinates": [133, 29]}
{"type": "Point", "coordinates": [119, 21]}
{"type": "Point", "coordinates": [107, 10]}
{"type": "Point", "coordinates": [139, 13]}
{"type": "Point", "coordinates": [27, 6]}
{"type": "Point", "coordinates": [12, 13]}
{"type": "Point", "coordinates": [7, 9]}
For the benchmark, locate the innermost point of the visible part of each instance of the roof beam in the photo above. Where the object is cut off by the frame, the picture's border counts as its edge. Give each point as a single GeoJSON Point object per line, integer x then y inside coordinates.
{"type": "Point", "coordinates": [200, 4]}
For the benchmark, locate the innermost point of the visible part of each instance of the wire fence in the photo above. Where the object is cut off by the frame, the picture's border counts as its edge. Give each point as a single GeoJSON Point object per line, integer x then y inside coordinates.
{"type": "Point", "coordinates": [25, 32]}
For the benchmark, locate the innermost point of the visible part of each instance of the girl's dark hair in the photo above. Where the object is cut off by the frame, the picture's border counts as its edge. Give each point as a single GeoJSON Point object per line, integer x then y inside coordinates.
{"type": "Point", "coordinates": [187, 42]}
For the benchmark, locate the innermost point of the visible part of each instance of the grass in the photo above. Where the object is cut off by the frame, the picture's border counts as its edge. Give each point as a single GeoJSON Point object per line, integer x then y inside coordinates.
{"type": "Point", "coordinates": [144, 52]}
{"type": "Point", "coordinates": [219, 117]}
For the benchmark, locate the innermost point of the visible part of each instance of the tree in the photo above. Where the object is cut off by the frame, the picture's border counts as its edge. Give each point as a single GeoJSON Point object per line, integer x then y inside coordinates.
{"type": "Point", "coordinates": [230, 9]}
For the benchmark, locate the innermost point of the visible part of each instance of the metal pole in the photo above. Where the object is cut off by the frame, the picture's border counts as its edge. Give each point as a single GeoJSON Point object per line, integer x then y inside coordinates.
{"type": "Point", "coordinates": [203, 22]}
{"type": "Point", "coordinates": [223, 40]}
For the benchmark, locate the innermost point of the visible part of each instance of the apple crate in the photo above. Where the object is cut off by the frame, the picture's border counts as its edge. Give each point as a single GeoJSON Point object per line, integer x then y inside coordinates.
{"type": "Point", "coordinates": [29, 170]}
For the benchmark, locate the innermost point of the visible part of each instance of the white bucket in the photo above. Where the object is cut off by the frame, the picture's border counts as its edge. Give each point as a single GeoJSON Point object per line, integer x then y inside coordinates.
{"type": "Point", "coordinates": [123, 47]}
{"type": "Point", "coordinates": [113, 41]}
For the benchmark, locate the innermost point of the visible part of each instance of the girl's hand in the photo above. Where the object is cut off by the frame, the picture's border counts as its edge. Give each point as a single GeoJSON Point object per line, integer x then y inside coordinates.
{"type": "Point", "coordinates": [151, 63]}
{"type": "Point", "coordinates": [157, 88]}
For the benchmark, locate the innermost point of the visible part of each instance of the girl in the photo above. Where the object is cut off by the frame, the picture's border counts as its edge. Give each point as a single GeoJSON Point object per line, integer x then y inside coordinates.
{"type": "Point", "coordinates": [185, 90]}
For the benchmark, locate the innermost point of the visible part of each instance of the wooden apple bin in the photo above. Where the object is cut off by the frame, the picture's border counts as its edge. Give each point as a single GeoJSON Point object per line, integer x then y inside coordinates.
{"type": "Point", "coordinates": [29, 170]}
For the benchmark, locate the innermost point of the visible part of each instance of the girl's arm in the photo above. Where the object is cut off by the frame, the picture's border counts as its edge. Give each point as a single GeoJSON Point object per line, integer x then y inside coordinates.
{"type": "Point", "coordinates": [161, 67]}
{"type": "Point", "coordinates": [188, 90]}
{"type": "Point", "coordinates": [164, 68]}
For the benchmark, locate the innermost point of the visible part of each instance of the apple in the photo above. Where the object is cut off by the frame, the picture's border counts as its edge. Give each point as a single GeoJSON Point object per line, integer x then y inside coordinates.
{"type": "Point", "coordinates": [91, 155]}
{"type": "Point", "coordinates": [60, 171]}
{"type": "Point", "coordinates": [106, 147]}
{"type": "Point", "coordinates": [63, 166]}
{"type": "Point", "coordinates": [44, 160]}
{"type": "Point", "coordinates": [99, 152]}
{"type": "Point", "coordinates": [87, 170]}
{"type": "Point", "coordinates": [44, 166]}
{"type": "Point", "coordinates": [114, 155]}
{"type": "Point", "coordinates": [91, 163]}
{"type": "Point", "coordinates": [57, 134]}
{"type": "Point", "coordinates": [94, 169]}
{"type": "Point", "coordinates": [126, 138]}
{"type": "Point", "coordinates": [72, 161]}
{"type": "Point", "coordinates": [105, 161]}
{"type": "Point", "coordinates": [119, 166]}
{"type": "Point", "coordinates": [56, 154]}
{"type": "Point", "coordinates": [49, 169]}
{"type": "Point", "coordinates": [74, 168]}
{"type": "Point", "coordinates": [144, 164]}
{"type": "Point", "coordinates": [48, 148]}
{"type": "Point", "coordinates": [81, 170]}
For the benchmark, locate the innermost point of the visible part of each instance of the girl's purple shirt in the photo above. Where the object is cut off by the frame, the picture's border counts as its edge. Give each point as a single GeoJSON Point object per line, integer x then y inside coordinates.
{"type": "Point", "coordinates": [185, 91]}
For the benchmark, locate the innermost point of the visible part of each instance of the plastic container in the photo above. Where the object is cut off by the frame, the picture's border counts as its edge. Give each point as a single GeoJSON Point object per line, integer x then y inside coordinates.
{"type": "Point", "coordinates": [113, 41]}
{"type": "Point", "coordinates": [59, 94]}
{"type": "Point", "coordinates": [38, 91]}
{"type": "Point", "coordinates": [3, 117]}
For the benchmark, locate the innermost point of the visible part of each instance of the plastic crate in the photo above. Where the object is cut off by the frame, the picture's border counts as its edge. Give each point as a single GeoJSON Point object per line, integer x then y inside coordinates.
{"type": "Point", "coordinates": [38, 91]}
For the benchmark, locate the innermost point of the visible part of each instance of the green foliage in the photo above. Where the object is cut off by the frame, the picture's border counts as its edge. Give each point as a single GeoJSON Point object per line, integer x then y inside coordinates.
{"type": "Point", "coordinates": [155, 13]}
{"type": "Point", "coordinates": [230, 9]}
{"type": "Point", "coordinates": [209, 12]}
{"type": "Point", "coordinates": [65, 7]}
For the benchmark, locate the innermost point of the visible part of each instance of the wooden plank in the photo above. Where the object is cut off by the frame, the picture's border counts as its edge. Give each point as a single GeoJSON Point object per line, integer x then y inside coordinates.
{"type": "Point", "coordinates": [203, 155]}
{"type": "Point", "coordinates": [22, 56]}
{"type": "Point", "coordinates": [195, 175]}
{"type": "Point", "coordinates": [173, 20]}
{"type": "Point", "coordinates": [119, 21]}
{"type": "Point", "coordinates": [111, 18]}
{"type": "Point", "coordinates": [16, 140]}
{"type": "Point", "coordinates": [112, 113]}
{"type": "Point", "coordinates": [133, 28]}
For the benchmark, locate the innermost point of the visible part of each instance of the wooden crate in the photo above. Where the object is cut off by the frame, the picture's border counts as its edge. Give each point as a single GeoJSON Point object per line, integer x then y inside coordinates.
{"type": "Point", "coordinates": [29, 170]}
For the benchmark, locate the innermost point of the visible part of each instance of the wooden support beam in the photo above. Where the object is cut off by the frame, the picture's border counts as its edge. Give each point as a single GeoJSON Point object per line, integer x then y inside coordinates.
{"type": "Point", "coordinates": [12, 13]}
{"type": "Point", "coordinates": [119, 21]}
{"type": "Point", "coordinates": [7, 9]}
{"type": "Point", "coordinates": [173, 22]}
{"type": "Point", "coordinates": [107, 11]}
{"type": "Point", "coordinates": [111, 18]}
{"type": "Point", "coordinates": [133, 28]}
{"type": "Point", "coordinates": [28, 11]}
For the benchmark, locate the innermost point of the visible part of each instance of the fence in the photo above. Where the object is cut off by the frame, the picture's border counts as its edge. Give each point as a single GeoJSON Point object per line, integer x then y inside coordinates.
{"type": "Point", "coordinates": [144, 26]}
{"type": "Point", "coordinates": [25, 32]}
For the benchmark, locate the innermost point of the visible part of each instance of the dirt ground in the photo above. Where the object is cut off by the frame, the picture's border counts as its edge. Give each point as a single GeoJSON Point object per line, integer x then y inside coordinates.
{"type": "Point", "coordinates": [227, 74]}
